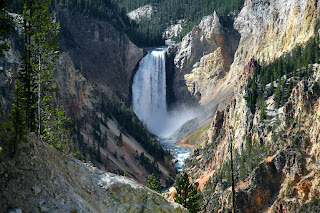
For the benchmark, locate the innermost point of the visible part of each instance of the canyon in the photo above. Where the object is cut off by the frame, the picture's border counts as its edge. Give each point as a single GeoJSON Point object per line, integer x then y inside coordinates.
{"type": "Point", "coordinates": [275, 158]}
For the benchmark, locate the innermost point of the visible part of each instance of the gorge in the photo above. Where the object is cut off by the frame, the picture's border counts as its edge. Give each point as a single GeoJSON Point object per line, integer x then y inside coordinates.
{"type": "Point", "coordinates": [243, 78]}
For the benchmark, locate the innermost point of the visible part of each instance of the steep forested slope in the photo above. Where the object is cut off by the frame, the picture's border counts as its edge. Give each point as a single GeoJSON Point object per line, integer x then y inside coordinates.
{"type": "Point", "coordinates": [169, 12]}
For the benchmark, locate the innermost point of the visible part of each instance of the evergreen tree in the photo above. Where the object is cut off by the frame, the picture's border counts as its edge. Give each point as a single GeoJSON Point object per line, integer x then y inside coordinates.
{"type": "Point", "coordinates": [290, 87]}
{"type": "Point", "coordinates": [13, 131]}
{"type": "Point", "coordinates": [42, 47]}
{"type": "Point", "coordinates": [278, 95]}
{"type": "Point", "coordinates": [33, 87]}
{"type": "Point", "coordinates": [153, 183]}
{"type": "Point", "coordinates": [55, 130]}
{"type": "Point", "coordinates": [5, 26]}
{"type": "Point", "coordinates": [187, 194]}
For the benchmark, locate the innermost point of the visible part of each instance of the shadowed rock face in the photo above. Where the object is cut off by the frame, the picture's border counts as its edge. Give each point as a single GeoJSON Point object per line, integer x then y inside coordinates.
{"type": "Point", "coordinates": [41, 179]}
{"type": "Point", "coordinates": [105, 56]}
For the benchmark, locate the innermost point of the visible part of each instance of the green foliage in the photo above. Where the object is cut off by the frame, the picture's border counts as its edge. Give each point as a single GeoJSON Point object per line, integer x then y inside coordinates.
{"type": "Point", "coordinates": [113, 107]}
{"type": "Point", "coordinates": [149, 32]}
{"type": "Point", "coordinates": [151, 167]}
{"type": "Point", "coordinates": [41, 44]}
{"type": "Point", "coordinates": [187, 194]}
{"type": "Point", "coordinates": [153, 183]}
{"type": "Point", "coordinates": [5, 26]}
{"type": "Point", "coordinates": [13, 129]}
{"type": "Point", "coordinates": [252, 94]}
{"type": "Point", "coordinates": [293, 64]}
{"type": "Point", "coordinates": [140, 34]}
{"type": "Point", "coordinates": [249, 159]}
{"type": "Point", "coordinates": [169, 11]}
{"type": "Point", "coordinates": [312, 206]}
{"type": "Point", "coordinates": [33, 86]}
{"type": "Point", "coordinates": [99, 154]}
{"type": "Point", "coordinates": [55, 127]}
{"type": "Point", "coordinates": [243, 163]}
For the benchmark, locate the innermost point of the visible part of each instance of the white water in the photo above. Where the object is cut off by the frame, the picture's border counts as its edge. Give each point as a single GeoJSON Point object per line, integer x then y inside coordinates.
{"type": "Point", "coordinates": [149, 91]}
{"type": "Point", "coordinates": [150, 105]}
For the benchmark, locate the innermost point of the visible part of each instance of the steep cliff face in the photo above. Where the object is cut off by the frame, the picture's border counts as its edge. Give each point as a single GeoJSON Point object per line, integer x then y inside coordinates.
{"type": "Point", "coordinates": [269, 29]}
{"type": "Point", "coordinates": [103, 55]}
{"type": "Point", "coordinates": [41, 179]}
{"type": "Point", "coordinates": [100, 61]}
{"type": "Point", "coordinates": [203, 58]}
{"type": "Point", "coordinates": [275, 159]}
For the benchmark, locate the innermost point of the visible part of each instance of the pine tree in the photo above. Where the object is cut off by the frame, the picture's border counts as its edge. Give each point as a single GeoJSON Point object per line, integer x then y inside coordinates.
{"type": "Point", "coordinates": [5, 26]}
{"type": "Point", "coordinates": [14, 131]}
{"type": "Point", "coordinates": [290, 87]}
{"type": "Point", "coordinates": [40, 39]}
{"type": "Point", "coordinates": [152, 183]}
{"type": "Point", "coordinates": [43, 46]}
{"type": "Point", "coordinates": [55, 131]}
{"type": "Point", "coordinates": [187, 194]}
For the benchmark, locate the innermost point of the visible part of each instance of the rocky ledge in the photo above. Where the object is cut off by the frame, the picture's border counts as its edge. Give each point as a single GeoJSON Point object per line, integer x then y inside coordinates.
{"type": "Point", "coordinates": [41, 179]}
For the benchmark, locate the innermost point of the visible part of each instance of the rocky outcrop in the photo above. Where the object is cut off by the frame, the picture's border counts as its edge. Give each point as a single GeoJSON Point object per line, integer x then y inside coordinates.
{"type": "Point", "coordinates": [267, 30]}
{"type": "Point", "coordinates": [103, 55]}
{"type": "Point", "coordinates": [173, 30]}
{"type": "Point", "coordinates": [203, 58]}
{"type": "Point", "coordinates": [41, 179]}
{"type": "Point", "coordinates": [142, 13]}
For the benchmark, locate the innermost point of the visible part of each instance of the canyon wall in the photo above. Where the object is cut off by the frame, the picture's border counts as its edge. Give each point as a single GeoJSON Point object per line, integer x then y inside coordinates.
{"type": "Point", "coordinates": [102, 54]}
{"type": "Point", "coordinates": [284, 175]}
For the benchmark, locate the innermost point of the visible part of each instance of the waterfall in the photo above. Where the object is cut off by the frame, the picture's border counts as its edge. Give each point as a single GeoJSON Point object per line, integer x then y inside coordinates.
{"type": "Point", "coordinates": [149, 91]}
{"type": "Point", "coordinates": [150, 105]}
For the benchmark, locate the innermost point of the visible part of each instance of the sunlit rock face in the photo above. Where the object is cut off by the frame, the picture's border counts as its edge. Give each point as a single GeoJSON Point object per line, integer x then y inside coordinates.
{"type": "Point", "coordinates": [270, 28]}
{"type": "Point", "coordinates": [144, 12]}
{"type": "Point", "coordinates": [202, 60]}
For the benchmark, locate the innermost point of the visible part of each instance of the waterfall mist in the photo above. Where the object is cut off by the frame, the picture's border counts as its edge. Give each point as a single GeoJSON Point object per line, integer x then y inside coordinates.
{"type": "Point", "coordinates": [149, 97]}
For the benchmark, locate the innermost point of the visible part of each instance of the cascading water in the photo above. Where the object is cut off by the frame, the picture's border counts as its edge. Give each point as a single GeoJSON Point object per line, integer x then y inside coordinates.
{"type": "Point", "coordinates": [150, 105]}
{"type": "Point", "coordinates": [149, 91]}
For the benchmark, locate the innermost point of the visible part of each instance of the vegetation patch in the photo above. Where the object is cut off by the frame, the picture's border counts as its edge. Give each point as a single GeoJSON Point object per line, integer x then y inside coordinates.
{"type": "Point", "coordinates": [193, 138]}
{"type": "Point", "coordinates": [278, 78]}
